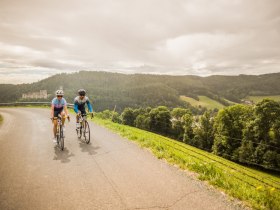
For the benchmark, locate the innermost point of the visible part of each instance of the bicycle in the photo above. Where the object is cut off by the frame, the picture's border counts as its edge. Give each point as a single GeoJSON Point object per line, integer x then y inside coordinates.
{"type": "Point", "coordinates": [84, 129]}
{"type": "Point", "coordinates": [59, 132]}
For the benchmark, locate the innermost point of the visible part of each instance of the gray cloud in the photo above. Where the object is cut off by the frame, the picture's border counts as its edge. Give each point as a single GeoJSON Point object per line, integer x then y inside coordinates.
{"type": "Point", "coordinates": [158, 36]}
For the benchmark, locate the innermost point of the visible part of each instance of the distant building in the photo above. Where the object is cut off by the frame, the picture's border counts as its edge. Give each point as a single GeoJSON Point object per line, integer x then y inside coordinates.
{"type": "Point", "coordinates": [36, 95]}
{"type": "Point", "coordinates": [248, 102]}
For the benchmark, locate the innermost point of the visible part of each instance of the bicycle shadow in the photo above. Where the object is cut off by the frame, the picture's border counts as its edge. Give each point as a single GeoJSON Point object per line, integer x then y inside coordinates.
{"type": "Point", "coordinates": [63, 156]}
{"type": "Point", "coordinates": [91, 150]}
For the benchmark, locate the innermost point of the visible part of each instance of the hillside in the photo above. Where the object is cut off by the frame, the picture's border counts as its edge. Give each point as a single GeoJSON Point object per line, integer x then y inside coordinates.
{"type": "Point", "coordinates": [203, 101]}
{"type": "Point", "coordinates": [110, 89]}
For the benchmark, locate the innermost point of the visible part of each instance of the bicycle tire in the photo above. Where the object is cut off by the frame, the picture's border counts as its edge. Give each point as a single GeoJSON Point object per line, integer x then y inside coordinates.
{"type": "Point", "coordinates": [61, 143]}
{"type": "Point", "coordinates": [57, 135]}
{"type": "Point", "coordinates": [87, 132]}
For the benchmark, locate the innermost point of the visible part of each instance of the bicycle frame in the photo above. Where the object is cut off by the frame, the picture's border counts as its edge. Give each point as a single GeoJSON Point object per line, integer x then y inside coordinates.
{"type": "Point", "coordinates": [84, 129]}
{"type": "Point", "coordinates": [59, 132]}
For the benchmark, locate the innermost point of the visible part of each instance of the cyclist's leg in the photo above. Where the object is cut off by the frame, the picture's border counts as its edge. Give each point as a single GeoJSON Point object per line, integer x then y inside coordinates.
{"type": "Point", "coordinates": [62, 113]}
{"type": "Point", "coordinates": [77, 118]}
{"type": "Point", "coordinates": [83, 111]}
{"type": "Point", "coordinates": [55, 122]}
{"type": "Point", "coordinates": [54, 127]}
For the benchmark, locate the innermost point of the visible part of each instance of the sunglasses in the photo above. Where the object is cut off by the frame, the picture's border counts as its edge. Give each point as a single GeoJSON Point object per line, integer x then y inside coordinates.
{"type": "Point", "coordinates": [82, 95]}
{"type": "Point", "coordinates": [60, 96]}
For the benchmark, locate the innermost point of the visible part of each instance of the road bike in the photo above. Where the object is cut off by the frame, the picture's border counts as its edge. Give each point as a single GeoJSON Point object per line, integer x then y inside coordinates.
{"type": "Point", "coordinates": [83, 129]}
{"type": "Point", "coordinates": [59, 132]}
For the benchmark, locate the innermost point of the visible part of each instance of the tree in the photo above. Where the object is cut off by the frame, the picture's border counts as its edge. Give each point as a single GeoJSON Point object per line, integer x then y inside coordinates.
{"type": "Point", "coordinates": [263, 133]}
{"type": "Point", "coordinates": [188, 128]}
{"type": "Point", "coordinates": [204, 132]}
{"type": "Point", "coordinates": [177, 122]}
{"type": "Point", "coordinates": [128, 117]}
{"type": "Point", "coordinates": [160, 120]}
{"type": "Point", "coordinates": [229, 125]}
{"type": "Point", "coordinates": [143, 121]}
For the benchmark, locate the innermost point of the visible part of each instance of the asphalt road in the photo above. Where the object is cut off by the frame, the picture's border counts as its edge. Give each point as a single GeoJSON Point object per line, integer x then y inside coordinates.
{"type": "Point", "coordinates": [109, 173]}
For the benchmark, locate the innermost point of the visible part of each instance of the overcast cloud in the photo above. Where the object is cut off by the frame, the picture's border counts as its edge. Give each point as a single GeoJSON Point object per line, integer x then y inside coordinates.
{"type": "Point", "coordinates": [39, 38]}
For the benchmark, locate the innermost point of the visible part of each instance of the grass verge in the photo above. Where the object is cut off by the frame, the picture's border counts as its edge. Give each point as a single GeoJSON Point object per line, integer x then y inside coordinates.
{"type": "Point", "coordinates": [1, 119]}
{"type": "Point", "coordinates": [257, 189]}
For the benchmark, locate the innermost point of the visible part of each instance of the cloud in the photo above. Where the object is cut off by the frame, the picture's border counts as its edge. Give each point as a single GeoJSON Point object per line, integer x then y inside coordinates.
{"type": "Point", "coordinates": [160, 36]}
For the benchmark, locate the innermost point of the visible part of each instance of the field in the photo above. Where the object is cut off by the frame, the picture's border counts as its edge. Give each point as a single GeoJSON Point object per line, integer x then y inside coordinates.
{"type": "Point", "coordinates": [204, 101]}
{"type": "Point", "coordinates": [257, 99]}
{"type": "Point", "coordinates": [257, 189]}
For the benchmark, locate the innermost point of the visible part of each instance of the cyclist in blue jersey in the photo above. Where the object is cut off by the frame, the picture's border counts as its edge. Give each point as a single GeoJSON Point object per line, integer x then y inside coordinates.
{"type": "Point", "coordinates": [79, 105]}
{"type": "Point", "coordinates": [58, 106]}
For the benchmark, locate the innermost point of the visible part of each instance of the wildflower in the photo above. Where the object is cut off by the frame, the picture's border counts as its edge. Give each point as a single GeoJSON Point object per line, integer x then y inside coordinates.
{"type": "Point", "coordinates": [259, 187]}
{"type": "Point", "coordinates": [272, 189]}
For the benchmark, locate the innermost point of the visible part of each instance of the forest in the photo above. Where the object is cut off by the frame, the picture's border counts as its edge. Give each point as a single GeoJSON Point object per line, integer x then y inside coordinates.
{"type": "Point", "coordinates": [241, 133]}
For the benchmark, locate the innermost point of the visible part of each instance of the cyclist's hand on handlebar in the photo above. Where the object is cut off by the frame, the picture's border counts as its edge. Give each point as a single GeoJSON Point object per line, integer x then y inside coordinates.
{"type": "Point", "coordinates": [91, 115]}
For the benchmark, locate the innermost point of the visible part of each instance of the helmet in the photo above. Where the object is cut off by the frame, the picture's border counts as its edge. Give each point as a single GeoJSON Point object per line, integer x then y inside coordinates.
{"type": "Point", "coordinates": [59, 93]}
{"type": "Point", "coordinates": [82, 92]}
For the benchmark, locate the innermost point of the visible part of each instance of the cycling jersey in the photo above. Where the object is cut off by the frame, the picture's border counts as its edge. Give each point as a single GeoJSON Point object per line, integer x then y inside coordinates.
{"type": "Point", "coordinates": [58, 105]}
{"type": "Point", "coordinates": [79, 104]}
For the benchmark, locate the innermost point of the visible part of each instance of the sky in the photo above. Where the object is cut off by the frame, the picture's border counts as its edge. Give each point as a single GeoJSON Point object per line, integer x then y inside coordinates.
{"type": "Point", "coordinates": [40, 38]}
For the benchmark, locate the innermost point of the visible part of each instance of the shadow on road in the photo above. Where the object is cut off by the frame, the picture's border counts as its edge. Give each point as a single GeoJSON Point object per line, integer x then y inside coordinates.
{"type": "Point", "coordinates": [91, 150]}
{"type": "Point", "coordinates": [63, 156]}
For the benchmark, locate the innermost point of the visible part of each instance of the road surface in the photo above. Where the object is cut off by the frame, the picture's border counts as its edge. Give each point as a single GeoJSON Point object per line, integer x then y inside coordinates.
{"type": "Point", "coordinates": [109, 173]}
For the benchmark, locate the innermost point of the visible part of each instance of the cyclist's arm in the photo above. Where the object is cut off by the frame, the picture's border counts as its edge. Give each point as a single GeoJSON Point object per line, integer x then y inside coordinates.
{"type": "Point", "coordinates": [89, 106]}
{"type": "Point", "coordinates": [76, 108]}
{"type": "Point", "coordinates": [52, 111]}
{"type": "Point", "coordinates": [66, 110]}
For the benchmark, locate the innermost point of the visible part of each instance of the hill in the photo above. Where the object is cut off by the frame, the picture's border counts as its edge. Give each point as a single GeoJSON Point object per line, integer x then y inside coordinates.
{"type": "Point", "coordinates": [110, 89]}
{"type": "Point", "coordinates": [203, 101]}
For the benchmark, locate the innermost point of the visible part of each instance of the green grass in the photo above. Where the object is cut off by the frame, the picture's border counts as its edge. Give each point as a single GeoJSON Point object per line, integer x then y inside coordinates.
{"type": "Point", "coordinates": [204, 101]}
{"type": "Point", "coordinates": [257, 99]}
{"type": "Point", "coordinates": [257, 189]}
{"type": "Point", "coordinates": [1, 119]}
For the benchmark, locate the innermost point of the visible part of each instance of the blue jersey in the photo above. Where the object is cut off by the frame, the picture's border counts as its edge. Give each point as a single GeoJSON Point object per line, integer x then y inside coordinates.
{"type": "Point", "coordinates": [59, 104]}
{"type": "Point", "coordinates": [79, 104]}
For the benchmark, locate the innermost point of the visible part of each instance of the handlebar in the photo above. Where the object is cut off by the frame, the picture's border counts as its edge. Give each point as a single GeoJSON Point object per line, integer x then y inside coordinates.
{"type": "Point", "coordinates": [86, 114]}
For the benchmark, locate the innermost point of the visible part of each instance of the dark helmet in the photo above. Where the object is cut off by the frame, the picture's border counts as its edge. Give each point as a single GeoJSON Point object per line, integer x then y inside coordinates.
{"type": "Point", "coordinates": [82, 92]}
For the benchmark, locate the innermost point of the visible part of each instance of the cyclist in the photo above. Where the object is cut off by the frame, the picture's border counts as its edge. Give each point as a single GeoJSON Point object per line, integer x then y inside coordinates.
{"type": "Point", "coordinates": [58, 106]}
{"type": "Point", "coordinates": [79, 105]}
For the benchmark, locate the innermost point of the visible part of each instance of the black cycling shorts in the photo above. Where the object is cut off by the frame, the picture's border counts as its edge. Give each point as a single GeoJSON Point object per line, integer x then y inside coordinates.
{"type": "Point", "coordinates": [57, 112]}
{"type": "Point", "coordinates": [83, 111]}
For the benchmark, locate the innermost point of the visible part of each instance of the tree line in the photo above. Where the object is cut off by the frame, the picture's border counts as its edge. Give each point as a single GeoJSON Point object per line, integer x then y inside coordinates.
{"type": "Point", "coordinates": [140, 90]}
{"type": "Point", "coordinates": [241, 133]}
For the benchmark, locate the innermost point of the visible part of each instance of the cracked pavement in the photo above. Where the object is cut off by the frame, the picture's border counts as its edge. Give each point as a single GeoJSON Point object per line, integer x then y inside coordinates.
{"type": "Point", "coordinates": [109, 173]}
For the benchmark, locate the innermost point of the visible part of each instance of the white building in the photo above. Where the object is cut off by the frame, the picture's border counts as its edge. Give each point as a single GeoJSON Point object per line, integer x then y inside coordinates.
{"type": "Point", "coordinates": [36, 95]}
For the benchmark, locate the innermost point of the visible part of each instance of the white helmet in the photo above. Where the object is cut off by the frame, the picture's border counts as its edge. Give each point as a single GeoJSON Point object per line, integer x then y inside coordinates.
{"type": "Point", "coordinates": [59, 93]}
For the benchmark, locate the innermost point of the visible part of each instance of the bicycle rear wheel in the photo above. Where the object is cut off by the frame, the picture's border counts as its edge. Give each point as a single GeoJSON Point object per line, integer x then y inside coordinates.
{"type": "Point", "coordinates": [61, 142]}
{"type": "Point", "coordinates": [87, 132]}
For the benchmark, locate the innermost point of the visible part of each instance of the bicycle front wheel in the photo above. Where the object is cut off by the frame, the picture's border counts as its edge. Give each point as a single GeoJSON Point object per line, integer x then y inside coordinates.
{"type": "Point", "coordinates": [61, 142]}
{"type": "Point", "coordinates": [87, 132]}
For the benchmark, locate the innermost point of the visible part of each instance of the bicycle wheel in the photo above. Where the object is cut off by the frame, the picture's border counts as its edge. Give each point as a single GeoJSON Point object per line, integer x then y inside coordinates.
{"type": "Point", "coordinates": [57, 135]}
{"type": "Point", "coordinates": [87, 132]}
{"type": "Point", "coordinates": [61, 142]}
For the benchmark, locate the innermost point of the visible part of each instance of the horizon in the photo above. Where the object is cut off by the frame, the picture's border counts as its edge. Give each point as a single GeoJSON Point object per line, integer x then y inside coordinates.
{"type": "Point", "coordinates": [40, 38]}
